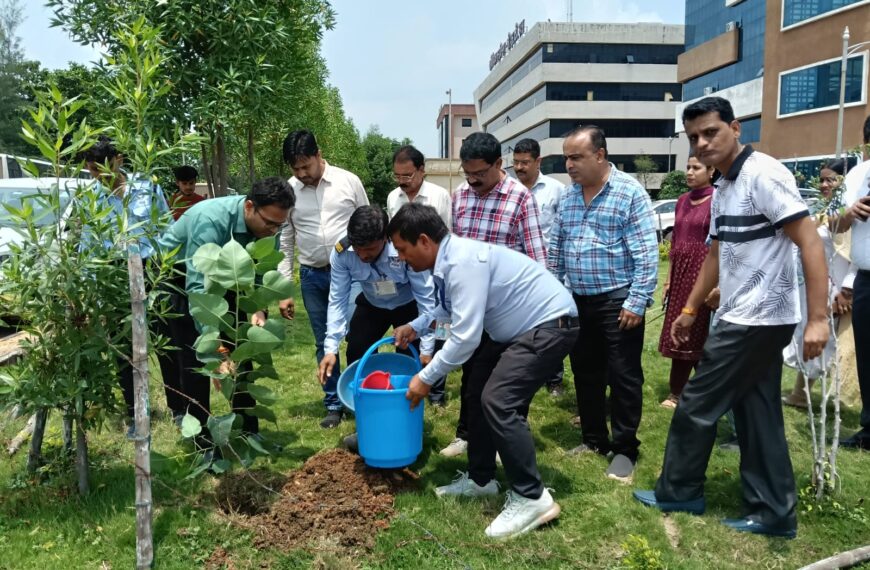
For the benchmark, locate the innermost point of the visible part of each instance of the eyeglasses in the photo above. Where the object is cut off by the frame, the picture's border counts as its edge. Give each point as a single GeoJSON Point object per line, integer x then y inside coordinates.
{"type": "Point", "coordinates": [269, 223]}
{"type": "Point", "coordinates": [404, 177]}
{"type": "Point", "coordinates": [523, 162]}
{"type": "Point", "coordinates": [479, 174]}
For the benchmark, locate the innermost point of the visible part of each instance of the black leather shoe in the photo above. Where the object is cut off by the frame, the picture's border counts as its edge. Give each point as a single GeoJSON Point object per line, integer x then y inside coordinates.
{"type": "Point", "coordinates": [332, 419]}
{"type": "Point", "coordinates": [694, 507]}
{"type": "Point", "coordinates": [755, 527]}
{"type": "Point", "coordinates": [859, 440]}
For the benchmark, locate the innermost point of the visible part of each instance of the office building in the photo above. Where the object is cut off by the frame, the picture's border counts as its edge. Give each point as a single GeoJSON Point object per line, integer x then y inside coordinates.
{"type": "Point", "coordinates": [451, 134]}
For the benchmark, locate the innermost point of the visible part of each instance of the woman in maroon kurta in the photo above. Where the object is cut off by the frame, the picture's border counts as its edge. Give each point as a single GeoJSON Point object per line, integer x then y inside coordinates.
{"type": "Point", "coordinates": [688, 250]}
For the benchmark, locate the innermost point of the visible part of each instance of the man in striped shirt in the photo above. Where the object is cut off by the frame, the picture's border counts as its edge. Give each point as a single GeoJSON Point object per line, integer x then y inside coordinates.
{"type": "Point", "coordinates": [603, 238]}
{"type": "Point", "coordinates": [491, 207]}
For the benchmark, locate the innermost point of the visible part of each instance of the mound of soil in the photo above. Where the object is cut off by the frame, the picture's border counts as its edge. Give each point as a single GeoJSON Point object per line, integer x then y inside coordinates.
{"type": "Point", "coordinates": [333, 497]}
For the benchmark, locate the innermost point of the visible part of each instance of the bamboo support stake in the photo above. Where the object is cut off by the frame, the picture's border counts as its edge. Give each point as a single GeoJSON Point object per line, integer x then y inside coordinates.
{"type": "Point", "coordinates": [142, 407]}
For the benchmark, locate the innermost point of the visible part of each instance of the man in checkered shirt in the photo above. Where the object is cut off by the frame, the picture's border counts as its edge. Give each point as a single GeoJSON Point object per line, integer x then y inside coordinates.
{"type": "Point", "coordinates": [490, 206]}
{"type": "Point", "coordinates": [603, 238]}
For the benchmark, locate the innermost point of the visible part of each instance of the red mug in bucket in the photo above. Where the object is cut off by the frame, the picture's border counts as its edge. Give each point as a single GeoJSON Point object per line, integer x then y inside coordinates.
{"type": "Point", "coordinates": [377, 380]}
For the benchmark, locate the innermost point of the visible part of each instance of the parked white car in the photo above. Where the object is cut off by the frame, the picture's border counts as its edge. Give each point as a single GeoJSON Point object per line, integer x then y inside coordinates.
{"type": "Point", "coordinates": [664, 212]}
{"type": "Point", "coordinates": [14, 192]}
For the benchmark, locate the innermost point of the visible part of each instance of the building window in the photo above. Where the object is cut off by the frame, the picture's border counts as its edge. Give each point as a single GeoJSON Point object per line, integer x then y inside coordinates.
{"type": "Point", "coordinates": [795, 12]}
{"type": "Point", "coordinates": [817, 87]}
{"type": "Point", "coordinates": [466, 122]}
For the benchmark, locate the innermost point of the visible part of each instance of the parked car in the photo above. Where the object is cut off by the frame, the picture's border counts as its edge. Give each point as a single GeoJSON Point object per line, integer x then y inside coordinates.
{"type": "Point", "coordinates": [664, 212]}
{"type": "Point", "coordinates": [15, 192]}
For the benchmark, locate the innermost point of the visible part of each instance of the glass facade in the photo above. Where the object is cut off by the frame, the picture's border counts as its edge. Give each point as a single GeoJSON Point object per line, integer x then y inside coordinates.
{"type": "Point", "coordinates": [706, 19]}
{"type": "Point", "coordinates": [589, 92]}
{"type": "Point", "coordinates": [613, 128]}
{"type": "Point", "coordinates": [818, 87]}
{"type": "Point", "coordinates": [750, 130]}
{"type": "Point", "coordinates": [663, 54]}
{"type": "Point", "coordinates": [797, 11]}
{"type": "Point", "coordinates": [530, 63]}
{"type": "Point", "coordinates": [555, 164]}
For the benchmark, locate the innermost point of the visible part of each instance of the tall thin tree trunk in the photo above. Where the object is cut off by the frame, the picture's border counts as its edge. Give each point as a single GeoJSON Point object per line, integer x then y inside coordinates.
{"type": "Point", "coordinates": [221, 160]}
{"type": "Point", "coordinates": [34, 457]}
{"type": "Point", "coordinates": [67, 433]}
{"type": "Point", "coordinates": [82, 458]}
{"type": "Point", "coordinates": [250, 155]}
{"type": "Point", "coordinates": [206, 165]}
{"type": "Point", "coordinates": [142, 411]}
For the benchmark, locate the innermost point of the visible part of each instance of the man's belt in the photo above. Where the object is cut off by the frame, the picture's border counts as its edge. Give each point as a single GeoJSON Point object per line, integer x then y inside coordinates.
{"type": "Point", "coordinates": [565, 322]}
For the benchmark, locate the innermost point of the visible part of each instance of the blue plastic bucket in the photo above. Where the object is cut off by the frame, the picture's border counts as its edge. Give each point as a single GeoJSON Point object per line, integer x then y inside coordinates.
{"type": "Point", "coordinates": [390, 434]}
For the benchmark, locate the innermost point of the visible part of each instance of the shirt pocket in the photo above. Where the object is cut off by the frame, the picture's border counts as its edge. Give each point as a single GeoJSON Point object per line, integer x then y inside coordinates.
{"type": "Point", "coordinates": [606, 228]}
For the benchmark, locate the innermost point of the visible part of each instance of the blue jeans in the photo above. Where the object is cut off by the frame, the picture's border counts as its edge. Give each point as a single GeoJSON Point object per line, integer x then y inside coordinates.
{"type": "Point", "coordinates": [315, 296]}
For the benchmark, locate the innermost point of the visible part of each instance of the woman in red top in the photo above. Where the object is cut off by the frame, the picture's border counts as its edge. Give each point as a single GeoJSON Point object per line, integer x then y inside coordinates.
{"type": "Point", "coordinates": [688, 250]}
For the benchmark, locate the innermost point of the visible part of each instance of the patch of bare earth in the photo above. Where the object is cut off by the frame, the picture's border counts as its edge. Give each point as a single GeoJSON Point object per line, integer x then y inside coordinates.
{"type": "Point", "coordinates": [332, 499]}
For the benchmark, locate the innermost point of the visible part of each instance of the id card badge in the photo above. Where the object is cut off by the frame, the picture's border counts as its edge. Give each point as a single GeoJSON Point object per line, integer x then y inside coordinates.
{"type": "Point", "coordinates": [385, 288]}
{"type": "Point", "coordinates": [442, 329]}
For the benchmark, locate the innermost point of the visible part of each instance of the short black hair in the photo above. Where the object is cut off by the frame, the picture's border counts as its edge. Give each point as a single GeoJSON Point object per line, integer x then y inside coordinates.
{"type": "Point", "coordinates": [709, 105]}
{"type": "Point", "coordinates": [101, 152]}
{"type": "Point", "coordinates": [367, 224]}
{"type": "Point", "coordinates": [409, 153]}
{"type": "Point", "coordinates": [867, 130]}
{"type": "Point", "coordinates": [838, 165]}
{"type": "Point", "coordinates": [528, 146]}
{"type": "Point", "coordinates": [272, 190]}
{"type": "Point", "coordinates": [413, 219]}
{"type": "Point", "coordinates": [483, 146]}
{"type": "Point", "coordinates": [299, 144]}
{"type": "Point", "coordinates": [596, 136]}
{"type": "Point", "coordinates": [185, 173]}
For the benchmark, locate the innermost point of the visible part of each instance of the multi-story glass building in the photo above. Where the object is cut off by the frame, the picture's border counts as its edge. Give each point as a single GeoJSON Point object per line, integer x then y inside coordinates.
{"type": "Point", "coordinates": [725, 55]}
{"type": "Point", "coordinates": [621, 77]}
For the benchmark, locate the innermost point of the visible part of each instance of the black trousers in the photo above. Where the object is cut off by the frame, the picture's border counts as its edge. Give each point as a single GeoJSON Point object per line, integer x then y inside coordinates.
{"type": "Point", "coordinates": [861, 329]}
{"type": "Point", "coordinates": [369, 324]}
{"type": "Point", "coordinates": [741, 369]}
{"type": "Point", "coordinates": [176, 366]}
{"type": "Point", "coordinates": [502, 381]}
{"type": "Point", "coordinates": [606, 355]}
{"type": "Point", "coordinates": [467, 368]}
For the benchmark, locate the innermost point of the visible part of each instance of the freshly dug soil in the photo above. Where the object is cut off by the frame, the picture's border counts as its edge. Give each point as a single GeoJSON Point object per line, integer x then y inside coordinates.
{"type": "Point", "coordinates": [332, 498]}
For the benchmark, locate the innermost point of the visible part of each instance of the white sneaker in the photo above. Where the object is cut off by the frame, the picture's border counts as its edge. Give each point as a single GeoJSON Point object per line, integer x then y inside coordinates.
{"type": "Point", "coordinates": [521, 515]}
{"type": "Point", "coordinates": [456, 447]}
{"type": "Point", "coordinates": [463, 486]}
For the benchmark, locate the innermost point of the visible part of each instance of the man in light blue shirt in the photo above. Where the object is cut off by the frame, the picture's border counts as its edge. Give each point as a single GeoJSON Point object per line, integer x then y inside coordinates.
{"type": "Point", "coordinates": [392, 293]}
{"type": "Point", "coordinates": [548, 193]}
{"type": "Point", "coordinates": [531, 323]}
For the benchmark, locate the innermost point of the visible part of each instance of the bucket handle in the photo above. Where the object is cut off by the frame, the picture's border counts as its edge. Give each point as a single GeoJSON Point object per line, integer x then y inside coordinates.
{"type": "Point", "coordinates": [370, 351]}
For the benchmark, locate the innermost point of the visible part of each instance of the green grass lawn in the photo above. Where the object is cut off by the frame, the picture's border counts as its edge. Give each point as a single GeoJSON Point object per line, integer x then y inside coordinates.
{"type": "Point", "coordinates": [48, 526]}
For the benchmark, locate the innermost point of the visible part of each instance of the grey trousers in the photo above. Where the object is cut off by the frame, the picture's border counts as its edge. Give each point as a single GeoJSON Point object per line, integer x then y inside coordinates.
{"type": "Point", "coordinates": [501, 384]}
{"type": "Point", "coordinates": [741, 369]}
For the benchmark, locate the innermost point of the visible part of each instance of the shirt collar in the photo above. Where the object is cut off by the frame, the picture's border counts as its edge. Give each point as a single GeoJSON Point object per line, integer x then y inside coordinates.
{"type": "Point", "coordinates": [441, 258]}
{"type": "Point", "coordinates": [241, 227]}
{"type": "Point", "coordinates": [737, 165]}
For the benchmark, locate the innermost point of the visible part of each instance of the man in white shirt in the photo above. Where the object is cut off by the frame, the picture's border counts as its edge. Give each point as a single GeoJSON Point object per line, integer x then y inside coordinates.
{"type": "Point", "coordinates": [326, 196]}
{"type": "Point", "coordinates": [548, 193]}
{"type": "Point", "coordinates": [409, 170]}
{"type": "Point", "coordinates": [757, 217]}
{"type": "Point", "coordinates": [857, 216]}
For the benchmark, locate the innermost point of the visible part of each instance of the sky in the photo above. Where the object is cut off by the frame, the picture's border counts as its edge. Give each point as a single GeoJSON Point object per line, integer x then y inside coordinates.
{"type": "Point", "coordinates": [392, 60]}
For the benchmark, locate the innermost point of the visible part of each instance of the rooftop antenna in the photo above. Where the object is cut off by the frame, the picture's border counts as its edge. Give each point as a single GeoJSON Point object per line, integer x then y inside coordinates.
{"type": "Point", "coordinates": [569, 9]}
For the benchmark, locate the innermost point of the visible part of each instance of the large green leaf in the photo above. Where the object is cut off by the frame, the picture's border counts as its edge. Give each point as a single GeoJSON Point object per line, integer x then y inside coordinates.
{"type": "Point", "coordinates": [269, 262]}
{"type": "Point", "coordinates": [208, 309]}
{"type": "Point", "coordinates": [259, 341]}
{"type": "Point", "coordinates": [221, 427]}
{"type": "Point", "coordinates": [235, 268]}
{"type": "Point", "coordinates": [277, 327]}
{"type": "Point", "coordinates": [205, 258]}
{"type": "Point", "coordinates": [250, 304]}
{"type": "Point", "coordinates": [264, 413]}
{"type": "Point", "coordinates": [262, 394]}
{"type": "Point", "coordinates": [190, 426]}
{"type": "Point", "coordinates": [261, 248]}
{"type": "Point", "coordinates": [255, 444]}
{"type": "Point", "coordinates": [207, 343]}
{"type": "Point", "coordinates": [275, 287]}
